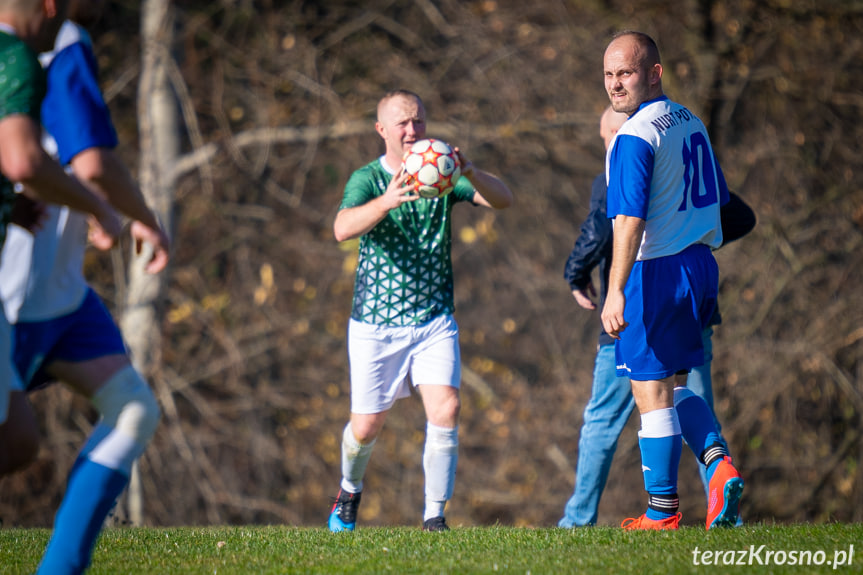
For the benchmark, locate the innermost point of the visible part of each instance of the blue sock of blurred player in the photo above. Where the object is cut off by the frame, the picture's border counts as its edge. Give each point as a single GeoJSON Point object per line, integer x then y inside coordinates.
{"type": "Point", "coordinates": [698, 428]}
{"type": "Point", "coordinates": [90, 495]}
{"type": "Point", "coordinates": [130, 415]}
{"type": "Point", "coordinates": [660, 443]}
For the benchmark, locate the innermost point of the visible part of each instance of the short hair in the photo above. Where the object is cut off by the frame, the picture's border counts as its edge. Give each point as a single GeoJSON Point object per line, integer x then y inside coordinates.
{"type": "Point", "coordinates": [649, 50]}
{"type": "Point", "coordinates": [401, 92]}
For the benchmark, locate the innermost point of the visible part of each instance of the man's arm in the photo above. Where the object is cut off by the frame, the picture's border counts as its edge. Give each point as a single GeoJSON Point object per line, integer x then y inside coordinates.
{"type": "Point", "coordinates": [23, 160]}
{"type": "Point", "coordinates": [628, 231]}
{"type": "Point", "coordinates": [104, 171]}
{"type": "Point", "coordinates": [491, 191]}
{"type": "Point", "coordinates": [738, 219]}
{"type": "Point", "coordinates": [353, 222]}
{"type": "Point", "coordinates": [592, 247]}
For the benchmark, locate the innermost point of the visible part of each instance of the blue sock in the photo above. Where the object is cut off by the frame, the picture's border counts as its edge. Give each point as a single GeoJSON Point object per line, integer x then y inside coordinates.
{"type": "Point", "coordinates": [712, 467]}
{"type": "Point", "coordinates": [660, 444]}
{"type": "Point", "coordinates": [92, 491]}
{"type": "Point", "coordinates": [696, 422]}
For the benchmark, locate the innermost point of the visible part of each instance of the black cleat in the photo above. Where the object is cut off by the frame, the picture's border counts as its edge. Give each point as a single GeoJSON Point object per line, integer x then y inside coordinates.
{"type": "Point", "coordinates": [435, 524]}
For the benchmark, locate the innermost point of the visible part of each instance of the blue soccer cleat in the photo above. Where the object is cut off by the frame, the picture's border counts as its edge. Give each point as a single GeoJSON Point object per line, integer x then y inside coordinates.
{"type": "Point", "coordinates": [343, 517]}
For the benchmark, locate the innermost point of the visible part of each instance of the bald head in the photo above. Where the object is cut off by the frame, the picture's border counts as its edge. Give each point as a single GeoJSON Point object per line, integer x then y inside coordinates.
{"type": "Point", "coordinates": [633, 72]}
{"type": "Point", "coordinates": [645, 51]}
{"type": "Point", "coordinates": [395, 98]}
{"type": "Point", "coordinates": [609, 124]}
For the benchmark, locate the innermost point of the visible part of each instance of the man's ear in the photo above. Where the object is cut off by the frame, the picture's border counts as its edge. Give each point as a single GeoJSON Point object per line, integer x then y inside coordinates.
{"type": "Point", "coordinates": [380, 130]}
{"type": "Point", "coordinates": [49, 7]}
{"type": "Point", "coordinates": [656, 74]}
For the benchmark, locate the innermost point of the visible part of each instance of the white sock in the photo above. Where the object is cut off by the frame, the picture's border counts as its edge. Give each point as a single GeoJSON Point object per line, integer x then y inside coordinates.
{"type": "Point", "coordinates": [355, 457]}
{"type": "Point", "coordinates": [439, 462]}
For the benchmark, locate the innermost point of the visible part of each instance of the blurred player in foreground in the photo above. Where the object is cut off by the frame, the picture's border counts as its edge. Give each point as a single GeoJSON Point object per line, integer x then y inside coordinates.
{"type": "Point", "coordinates": [401, 327]}
{"type": "Point", "coordinates": [62, 330]}
{"type": "Point", "coordinates": [26, 27]}
{"type": "Point", "coordinates": [665, 189]}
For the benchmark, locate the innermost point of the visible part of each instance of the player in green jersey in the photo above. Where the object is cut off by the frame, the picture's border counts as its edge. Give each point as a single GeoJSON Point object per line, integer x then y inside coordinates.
{"type": "Point", "coordinates": [402, 328]}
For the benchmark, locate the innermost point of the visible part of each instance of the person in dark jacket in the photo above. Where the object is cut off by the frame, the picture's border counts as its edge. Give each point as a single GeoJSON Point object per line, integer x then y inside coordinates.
{"type": "Point", "coordinates": [611, 401]}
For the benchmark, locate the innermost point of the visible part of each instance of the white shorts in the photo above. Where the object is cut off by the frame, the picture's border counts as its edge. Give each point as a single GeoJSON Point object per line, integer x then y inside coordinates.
{"type": "Point", "coordinates": [9, 378]}
{"type": "Point", "coordinates": [382, 358]}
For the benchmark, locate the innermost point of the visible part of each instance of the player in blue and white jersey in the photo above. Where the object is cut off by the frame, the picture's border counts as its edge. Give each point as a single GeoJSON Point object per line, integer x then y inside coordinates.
{"type": "Point", "coordinates": [62, 331]}
{"type": "Point", "coordinates": [665, 189]}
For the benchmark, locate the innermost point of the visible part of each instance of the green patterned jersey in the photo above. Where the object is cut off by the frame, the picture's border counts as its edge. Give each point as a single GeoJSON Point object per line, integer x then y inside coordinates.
{"type": "Point", "coordinates": [404, 273]}
{"type": "Point", "coordinates": [22, 87]}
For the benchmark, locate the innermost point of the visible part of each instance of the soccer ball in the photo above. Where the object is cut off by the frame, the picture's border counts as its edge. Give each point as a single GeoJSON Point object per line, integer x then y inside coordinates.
{"type": "Point", "coordinates": [432, 167]}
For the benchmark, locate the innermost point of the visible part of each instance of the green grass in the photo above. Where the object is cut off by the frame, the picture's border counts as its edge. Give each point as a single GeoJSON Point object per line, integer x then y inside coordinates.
{"type": "Point", "coordinates": [400, 550]}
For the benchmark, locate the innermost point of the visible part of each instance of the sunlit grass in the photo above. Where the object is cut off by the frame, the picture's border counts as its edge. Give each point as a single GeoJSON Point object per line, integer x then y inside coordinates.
{"type": "Point", "coordinates": [259, 549]}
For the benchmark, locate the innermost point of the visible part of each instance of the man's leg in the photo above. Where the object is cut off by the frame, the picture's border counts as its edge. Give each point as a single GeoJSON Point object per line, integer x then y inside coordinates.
{"type": "Point", "coordinates": [358, 442]}
{"type": "Point", "coordinates": [129, 417]}
{"type": "Point", "coordinates": [19, 435]}
{"type": "Point", "coordinates": [19, 431]}
{"type": "Point", "coordinates": [660, 443]}
{"type": "Point", "coordinates": [701, 384]}
{"type": "Point", "coordinates": [610, 405]}
{"type": "Point", "coordinates": [440, 457]}
{"type": "Point", "coordinates": [724, 484]}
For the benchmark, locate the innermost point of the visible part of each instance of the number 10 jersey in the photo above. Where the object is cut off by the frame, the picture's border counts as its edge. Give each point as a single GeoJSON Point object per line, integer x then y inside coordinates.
{"type": "Point", "coordinates": [661, 168]}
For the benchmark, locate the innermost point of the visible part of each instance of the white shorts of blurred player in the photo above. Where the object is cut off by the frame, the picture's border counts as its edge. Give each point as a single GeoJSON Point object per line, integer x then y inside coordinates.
{"type": "Point", "coordinates": [9, 379]}
{"type": "Point", "coordinates": [382, 358]}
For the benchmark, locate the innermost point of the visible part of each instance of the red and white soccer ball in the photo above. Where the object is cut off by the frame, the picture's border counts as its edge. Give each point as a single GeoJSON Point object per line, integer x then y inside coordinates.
{"type": "Point", "coordinates": [432, 167]}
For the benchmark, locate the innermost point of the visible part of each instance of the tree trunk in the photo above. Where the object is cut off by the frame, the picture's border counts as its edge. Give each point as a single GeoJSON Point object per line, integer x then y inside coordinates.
{"type": "Point", "coordinates": [159, 144]}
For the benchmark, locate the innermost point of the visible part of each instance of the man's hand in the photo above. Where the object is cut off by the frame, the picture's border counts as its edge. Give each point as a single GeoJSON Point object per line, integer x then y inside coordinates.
{"type": "Point", "coordinates": [612, 314]}
{"type": "Point", "coordinates": [465, 164]}
{"type": "Point", "coordinates": [398, 192]}
{"type": "Point", "coordinates": [157, 240]}
{"type": "Point", "coordinates": [584, 297]}
{"type": "Point", "coordinates": [105, 228]}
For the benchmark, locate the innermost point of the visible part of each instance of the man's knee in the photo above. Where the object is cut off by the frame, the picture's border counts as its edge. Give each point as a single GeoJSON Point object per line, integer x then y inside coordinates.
{"type": "Point", "coordinates": [366, 427]}
{"type": "Point", "coordinates": [681, 394]}
{"type": "Point", "coordinates": [445, 411]}
{"type": "Point", "coordinates": [127, 404]}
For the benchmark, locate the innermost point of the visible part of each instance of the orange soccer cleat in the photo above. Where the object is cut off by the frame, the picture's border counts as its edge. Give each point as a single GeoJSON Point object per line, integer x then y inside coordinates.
{"type": "Point", "coordinates": [724, 491]}
{"type": "Point", "coordinates": [644, 523]}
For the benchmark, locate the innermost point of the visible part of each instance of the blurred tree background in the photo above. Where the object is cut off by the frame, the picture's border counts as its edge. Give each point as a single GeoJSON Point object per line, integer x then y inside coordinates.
{"type": "Point", "coordinates": [278, 101]}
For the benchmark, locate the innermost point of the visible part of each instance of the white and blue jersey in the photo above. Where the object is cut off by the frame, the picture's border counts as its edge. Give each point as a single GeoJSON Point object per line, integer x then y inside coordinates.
{"type": "Point", "coordinates": [41, 276]}
{"type": "Point", "coordinates": [661, 168]}
{"type": "Point", "coordinates": [74, 111]}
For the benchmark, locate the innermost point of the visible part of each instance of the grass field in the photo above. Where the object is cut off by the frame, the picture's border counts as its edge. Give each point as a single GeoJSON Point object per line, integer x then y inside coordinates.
{"type": "Point", "coordinates": [800, 549]}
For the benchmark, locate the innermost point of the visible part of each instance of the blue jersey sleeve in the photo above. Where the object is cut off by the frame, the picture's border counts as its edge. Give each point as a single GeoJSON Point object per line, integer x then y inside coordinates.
{"type": "Point", "coordinates": [630, 171]}
{"type": "Point", "coordinates": [74, 111]}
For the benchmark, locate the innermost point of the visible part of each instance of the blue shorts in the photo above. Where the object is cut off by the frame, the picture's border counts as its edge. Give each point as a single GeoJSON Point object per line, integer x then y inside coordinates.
{"type": "Point", "coordinates": [86, 333]}
{"type": "Point", "coordinates": [669, 301]}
